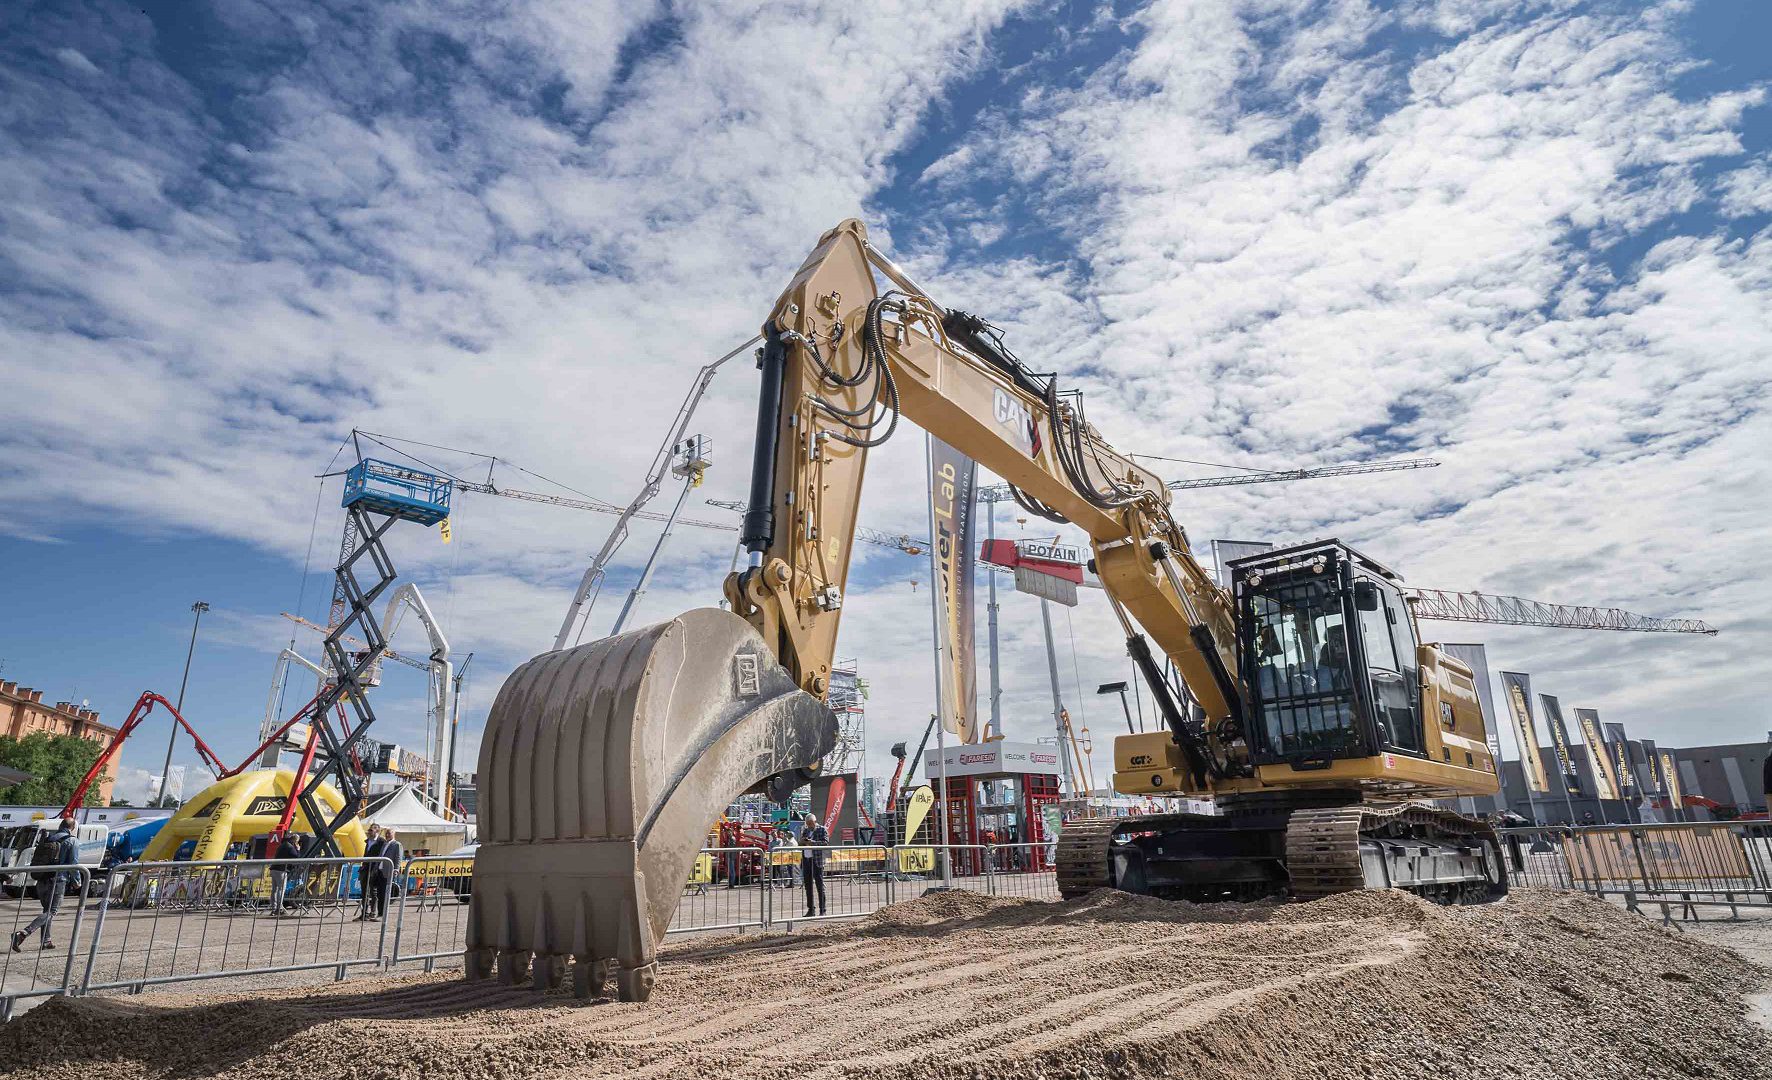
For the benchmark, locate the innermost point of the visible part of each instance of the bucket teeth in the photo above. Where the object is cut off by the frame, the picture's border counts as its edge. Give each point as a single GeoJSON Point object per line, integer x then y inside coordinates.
{"type": "Point", "coordinates": [601, 770]}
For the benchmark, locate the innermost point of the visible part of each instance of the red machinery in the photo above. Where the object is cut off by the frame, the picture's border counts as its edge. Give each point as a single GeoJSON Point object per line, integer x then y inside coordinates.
{"type": "Point", "coordinates": [892, 792]}
{"type": "Point", "coordinates": [1719, 811]}
{"type": "Point", "coordinates": [145, 705]}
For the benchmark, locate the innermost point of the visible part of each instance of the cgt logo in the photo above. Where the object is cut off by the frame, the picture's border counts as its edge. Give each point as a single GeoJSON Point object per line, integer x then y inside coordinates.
{"type": "Point", "coordinates": [1139, 761]}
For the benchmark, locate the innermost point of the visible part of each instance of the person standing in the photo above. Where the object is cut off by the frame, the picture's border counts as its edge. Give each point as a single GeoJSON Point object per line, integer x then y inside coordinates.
{"type": "Point", "coordinates": [285, 864]}
{"type": "Point", "coordinates": [381, 880]}
{"type": "Point", "coordinates": [57, 849]}
{"type": "Point", "coordinates": [813, 839]}
{"type": "Point", "coordinates": [372, 850]}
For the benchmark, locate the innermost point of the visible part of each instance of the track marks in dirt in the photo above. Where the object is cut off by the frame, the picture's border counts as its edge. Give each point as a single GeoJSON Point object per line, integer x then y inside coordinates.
{"type": "Point", "coordinates": [969, 988]}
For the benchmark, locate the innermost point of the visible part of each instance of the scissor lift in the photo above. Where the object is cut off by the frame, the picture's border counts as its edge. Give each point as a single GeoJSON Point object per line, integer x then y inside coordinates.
{"type": "Point", "coordinates": [376, 495]}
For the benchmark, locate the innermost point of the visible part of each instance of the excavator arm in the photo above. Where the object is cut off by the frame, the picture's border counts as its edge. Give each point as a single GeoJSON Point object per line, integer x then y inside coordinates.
{"type": "Point", "coordinates": [602, 765]}
{"type": "Point", "coordinates": [842, 361]}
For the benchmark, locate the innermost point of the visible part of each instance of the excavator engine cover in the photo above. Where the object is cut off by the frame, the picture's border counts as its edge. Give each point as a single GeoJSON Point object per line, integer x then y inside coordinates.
{"type": "Point", "coordinates": [601, 771]}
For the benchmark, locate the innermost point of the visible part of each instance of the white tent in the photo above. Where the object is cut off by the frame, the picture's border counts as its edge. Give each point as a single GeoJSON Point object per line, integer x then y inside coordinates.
{"type": "Point", "coordinates": [420, 829]}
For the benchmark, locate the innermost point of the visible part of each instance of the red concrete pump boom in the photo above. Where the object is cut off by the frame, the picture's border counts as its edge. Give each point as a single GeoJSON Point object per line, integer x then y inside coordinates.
{"type": "Point", "coordinates": [143, 706]}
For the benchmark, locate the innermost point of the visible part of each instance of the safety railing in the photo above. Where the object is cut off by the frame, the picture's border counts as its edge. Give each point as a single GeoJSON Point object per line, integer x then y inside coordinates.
{"type": "Point", "coordinates": [1027, 871]}
{"type": "Point", "coordinates": [259, 921]}
{"type": "Point", "coordinates": [175, 922]}
{"type": "Point", "coordinates": [42, 913]}
{"type": "Point", "coordinates": [1537, 857]}
{"type": "Point", "coordinates": [1675, 867]}
{"type": "Point", "coordinates": [429, 909]}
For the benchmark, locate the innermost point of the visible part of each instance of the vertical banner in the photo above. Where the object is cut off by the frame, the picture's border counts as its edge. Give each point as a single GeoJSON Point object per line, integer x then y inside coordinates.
{"type": "Point", "coordinates": [1519, 703]}
{"type": "Point", "coordinates": [1553, 719]}
{"type": "Point", "coordinates": [1476, 658]}
{"type": "Point", "coordinates": [1619, 744]}
{"type": "Point", "coordinates": [1607, 783]}
{"type": "Point", "coordinates": [1652, 770]}
{"type": "Point", "coordinates": [952, 476]}
{"type": "Point", "coordinates": [1670, 780]}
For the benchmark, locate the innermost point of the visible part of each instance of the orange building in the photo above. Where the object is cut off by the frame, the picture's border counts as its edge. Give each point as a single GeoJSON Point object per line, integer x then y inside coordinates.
{"type": "Point", "coordinates": [22, 712]}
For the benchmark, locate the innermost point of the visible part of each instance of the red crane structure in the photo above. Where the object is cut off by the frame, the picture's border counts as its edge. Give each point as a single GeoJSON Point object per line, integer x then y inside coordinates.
{"type": "Point", "coordinates": [144, 706]}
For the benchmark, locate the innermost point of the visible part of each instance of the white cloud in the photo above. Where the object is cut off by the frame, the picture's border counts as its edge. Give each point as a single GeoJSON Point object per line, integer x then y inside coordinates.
{"type": "Point", "coordinates": [1437, 261]}
{"type": "Point", "coordinates": [77, 60]}
{"type": "Point", "coordinates": [1291, 244]}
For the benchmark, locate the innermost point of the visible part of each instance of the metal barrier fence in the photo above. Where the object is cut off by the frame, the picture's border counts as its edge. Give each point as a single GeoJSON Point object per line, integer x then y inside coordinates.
{"type": "Point", "coordinates": [746, 888]}
{"type": "Point", "coordinates": [430, 909]}
{"type": "Point", "coordinates": [1670, 866]}
{"type": "Point", "coordinates": [49, 910]}
{"type": "Point", "coordinates": [150, 924]}
{"type": "Point", "coordinates": [146, 924]}
{"type": "Point", "coordinates": [183, 921]}
{"type": "Point", "coordinates": [1537, 857]}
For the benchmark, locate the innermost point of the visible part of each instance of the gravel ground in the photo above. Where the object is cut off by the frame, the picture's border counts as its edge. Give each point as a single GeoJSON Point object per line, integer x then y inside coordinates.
{"type": "Point", "coordinates": [1750, 936]}
{"type": "Point", "coordinates": [1544, 984]}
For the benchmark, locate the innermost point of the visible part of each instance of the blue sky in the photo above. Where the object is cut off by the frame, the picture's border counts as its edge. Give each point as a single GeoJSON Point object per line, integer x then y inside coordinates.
{"type": "Point", "coordinates": [1529, 239]}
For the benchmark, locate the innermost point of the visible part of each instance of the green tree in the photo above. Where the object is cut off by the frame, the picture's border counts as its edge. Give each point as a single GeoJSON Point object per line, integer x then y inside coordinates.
{"type": "Point", "coordinates": [56, 764]}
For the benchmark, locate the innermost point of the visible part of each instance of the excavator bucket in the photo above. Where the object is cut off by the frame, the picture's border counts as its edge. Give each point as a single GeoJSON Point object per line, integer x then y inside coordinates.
{"type": "Point", "coordinates": [602, 768]}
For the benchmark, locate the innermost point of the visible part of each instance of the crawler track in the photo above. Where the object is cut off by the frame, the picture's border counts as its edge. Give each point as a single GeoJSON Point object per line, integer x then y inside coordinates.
{"type": "Point", "coordinates": [1083, 856]}
{"type": "Point", "coordinates": [1323, 849]}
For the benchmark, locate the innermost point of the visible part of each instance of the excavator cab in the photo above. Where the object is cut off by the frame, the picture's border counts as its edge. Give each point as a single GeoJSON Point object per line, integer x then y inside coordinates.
{"type": "Point", "coordinates": [1329, 656]}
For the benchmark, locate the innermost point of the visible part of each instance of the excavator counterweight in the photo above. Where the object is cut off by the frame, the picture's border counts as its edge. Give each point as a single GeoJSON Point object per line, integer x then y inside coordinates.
{"type": "Point", "coordinates": [598, 771]}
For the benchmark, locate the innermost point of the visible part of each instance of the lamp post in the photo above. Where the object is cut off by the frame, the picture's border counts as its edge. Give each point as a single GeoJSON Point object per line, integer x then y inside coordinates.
{"type": "Point", "coordinates": [166, 770]}
{"type": "Point", "coordinates": [1119, 688]}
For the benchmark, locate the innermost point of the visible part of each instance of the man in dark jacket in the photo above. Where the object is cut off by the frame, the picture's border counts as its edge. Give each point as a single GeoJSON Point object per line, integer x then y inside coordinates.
{"type": "Point", "coordinates": [371, 850]}
{"type": "Point", "coordinates": [381, 882]}
{"type": "Point", "coordinates": [813, 837]}
{"type": "Point", "coordinates": [57, 849]}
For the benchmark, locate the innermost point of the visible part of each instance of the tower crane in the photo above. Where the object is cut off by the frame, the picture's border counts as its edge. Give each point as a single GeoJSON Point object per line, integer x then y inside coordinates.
{"type": "Point", "coordinates": [1436, 605]}
{"type": "Point", "coordinates": [1317, 472]}
{"type": "Point", "coordinates": [1475, 607]}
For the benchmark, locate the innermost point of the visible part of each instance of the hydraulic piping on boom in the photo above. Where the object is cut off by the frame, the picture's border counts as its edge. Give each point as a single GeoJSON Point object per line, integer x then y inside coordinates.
{"type": "Point", "coordinates": [1303, 699]}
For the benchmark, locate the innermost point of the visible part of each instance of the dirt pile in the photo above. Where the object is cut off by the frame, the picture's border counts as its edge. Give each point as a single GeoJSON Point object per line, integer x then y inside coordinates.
{"type": "Point", "coordinates": [1381, 985]}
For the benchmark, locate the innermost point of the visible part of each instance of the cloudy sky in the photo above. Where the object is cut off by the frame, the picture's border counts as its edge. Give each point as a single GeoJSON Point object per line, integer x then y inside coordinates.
{"type": "Point", "coordinates": [1532, 240]}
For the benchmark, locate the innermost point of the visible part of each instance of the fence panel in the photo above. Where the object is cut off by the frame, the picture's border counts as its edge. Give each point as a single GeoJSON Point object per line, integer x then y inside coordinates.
{"type": "Point", "coordinates": [1537, 857]}
{"type": "Point", "coordinates": [430, 909]}
{"type": "Point", "coordinates": [732, 888]}
{"type": "Point", "coordinates": [182, 921]}
{"type": "Point", "coordinates": [1023, 870]}
{"type": "Point", "coordinates": [148, 924]}
{"type": "Point", "coordinates": [43, 923]}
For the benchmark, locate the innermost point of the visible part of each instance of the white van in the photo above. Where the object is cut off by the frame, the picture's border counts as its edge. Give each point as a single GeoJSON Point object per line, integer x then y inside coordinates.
{"type": "Point", "coordinates": [18, 842]}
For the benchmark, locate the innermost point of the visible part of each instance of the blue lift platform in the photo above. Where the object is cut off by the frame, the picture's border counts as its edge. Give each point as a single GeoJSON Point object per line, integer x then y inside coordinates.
{"type": "Point", "coordinates": [377, 494]}
{"type": "Point", "coordinates": [398, 491]}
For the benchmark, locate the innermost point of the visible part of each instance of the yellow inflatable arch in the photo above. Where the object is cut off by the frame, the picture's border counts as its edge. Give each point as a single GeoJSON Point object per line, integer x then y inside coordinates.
{"type": "Point", "coordinates": [240, 808]}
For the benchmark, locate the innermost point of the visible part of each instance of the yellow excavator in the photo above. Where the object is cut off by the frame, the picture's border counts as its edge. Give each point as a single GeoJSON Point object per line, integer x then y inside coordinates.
{"type": "Point", "coordinates": [1305, 704]}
